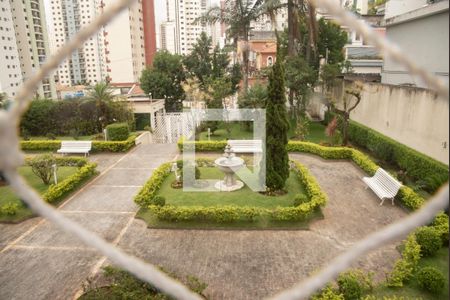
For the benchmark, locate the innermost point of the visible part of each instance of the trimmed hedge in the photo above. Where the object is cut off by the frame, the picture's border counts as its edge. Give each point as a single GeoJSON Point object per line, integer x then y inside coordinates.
{"type": "Point", "coordinates": [97, 146]}
{"type": "Point", "coordinates": [406, 195]}
{"type": "Point", "coordinates": [118, 131]}
{"type": "Point", "coordinates": [431, 279]}
{"type": "Point", "coordinates": [66, 161]}
{"type": "Point", "coordinates": [231, 213]}
{"type": "Point", "coordinates": [58, 191]}
{"type": "Point", "coordinates": [151, 187]}
{"type": "Point", "coordinates": [204, 146]}
{"type": "Point", "coordinates": [417, 165]}
{"type": "Point", "coordinates": [114, 146]}
{"type": "Point", "coordinates": [404, 267]}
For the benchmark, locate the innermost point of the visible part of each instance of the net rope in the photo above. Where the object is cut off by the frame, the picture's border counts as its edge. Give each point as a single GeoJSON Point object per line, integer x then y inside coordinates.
{"type": "Point", "coordinates": [11, 158]}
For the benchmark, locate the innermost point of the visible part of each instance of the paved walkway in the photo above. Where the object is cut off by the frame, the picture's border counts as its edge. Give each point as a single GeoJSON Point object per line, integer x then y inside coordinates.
{"type": "Point", "coordinates": [40, 262]}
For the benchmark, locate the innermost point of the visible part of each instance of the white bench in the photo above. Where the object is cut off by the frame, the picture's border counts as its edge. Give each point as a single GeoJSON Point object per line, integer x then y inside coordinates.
{"type": "Point", "coordinates": [383, 184]}
{"type": "Point", "coordinates": [245, 146]}
{"type": "Point", "coordinates": [75, 147]}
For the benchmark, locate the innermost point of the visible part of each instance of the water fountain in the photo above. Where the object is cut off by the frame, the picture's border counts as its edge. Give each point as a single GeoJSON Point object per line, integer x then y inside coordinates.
{"type": "Point", "coordinates": [229, 164]}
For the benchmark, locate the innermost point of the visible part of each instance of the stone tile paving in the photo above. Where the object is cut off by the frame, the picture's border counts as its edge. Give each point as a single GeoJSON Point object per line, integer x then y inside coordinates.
{"type": "Point", "coordinates": [48, 264]}
{"type": "Point", "coordinates": [39, 261]}
{"type": "Point", "coordinates": [256, 264]}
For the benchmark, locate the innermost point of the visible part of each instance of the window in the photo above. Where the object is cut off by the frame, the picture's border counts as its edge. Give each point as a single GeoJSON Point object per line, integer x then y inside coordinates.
{"type": "Point", "coordinates": [269, 61]}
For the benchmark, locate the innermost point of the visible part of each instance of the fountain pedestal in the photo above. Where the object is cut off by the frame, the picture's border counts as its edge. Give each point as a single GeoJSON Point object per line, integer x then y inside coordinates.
{"type": "Point", "coordinates": [228, 164]}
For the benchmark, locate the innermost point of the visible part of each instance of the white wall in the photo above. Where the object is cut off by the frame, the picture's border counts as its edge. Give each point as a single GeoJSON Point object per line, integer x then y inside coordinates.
{"type": "Point", "coordinates": [426, 41]}
{"type": "Point", "coordinates": [413, 116]}
{"type": "Point", "coordinates": [398, 7]}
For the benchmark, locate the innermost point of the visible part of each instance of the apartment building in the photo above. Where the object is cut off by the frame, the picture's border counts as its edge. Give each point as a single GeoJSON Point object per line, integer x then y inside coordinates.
{"type": "Point", "coordinates": [87, 64]}
{"type": "Point", "coordinates": [24, 45]}
{"type": "Point", "coordinates": [11, 75]}
{"type": "Point", "coordinates": [183, 14]}
{"type": "Point", "coordinates": [118, 53]}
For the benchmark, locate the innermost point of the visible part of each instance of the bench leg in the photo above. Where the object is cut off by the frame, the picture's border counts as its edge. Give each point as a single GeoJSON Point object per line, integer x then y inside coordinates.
{"type": "Point", "coordinates": [392, 201]}
{"type": "Point", "coordinates": [382, 201]}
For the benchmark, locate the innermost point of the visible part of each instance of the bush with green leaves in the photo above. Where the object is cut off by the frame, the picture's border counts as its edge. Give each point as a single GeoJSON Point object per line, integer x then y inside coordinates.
{"type": "Point", "coordinates": [9, 209]}
{"type": "Point", "coordinates": [405, 267]}
{"type": "Point", "coordinates": [431, 279]}
{"type": "Point", "coordinates": [441, 225]}
{"type": "Point", "coordinates": [158, 201]}
{"type": "Point", "coordinates": [152, 186]}
{"type": "Point", "coordinates": [429, 240]}
{"type": "Point", "coordinates": [300, 199]}
{"type": "Point", "coordinates": [41, 165]}
{"type": "Point", "coordinates": [354, 283]}
{"type": "Point", "coordinates": [118, 131]}
{"type": "Point", "coordinates": [328, 293]}
{"type": "Point", "coordinates": [417, 165]}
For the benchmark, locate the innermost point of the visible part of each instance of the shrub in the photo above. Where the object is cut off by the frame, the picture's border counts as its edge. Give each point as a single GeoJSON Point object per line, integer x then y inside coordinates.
{"type": "Point", "coordinates": [58, 191]}
{"type": "Point", "coordinates": [300, 199]}
{"type": "Point", "coordinates": [121, 146]}
{"type": "Point", "coordinates": [328, 294]}
{"type": "Point", "coordinates": [202, 146]}
{"type": "Point", "coordinates": [50, 136]}
{"type": "Point", "coordinates": [151, 187]}
{"type": "Point", "coordinates": [429, 240]}
{"type": "Point", "coordinates": [41, 165]}
{"type": "Point", "coordinates": [40, 145]}
{"type": "Point", "coordinates": [158, 201]}
{"type": "Point", "coordinates": [9, 209]}
{"type": "Point", "coordinates": [353, 284]}
{"type": "Point", "coordinates": [431, 280]}
{"type": "Point", "coordinates": [404, 267]}
{"type": "Point", "coordinates": [181, 168]}
{"type": "Point", "coordinates": [117, 131]}
{"type": "Point", "coordinates": [441, 225]}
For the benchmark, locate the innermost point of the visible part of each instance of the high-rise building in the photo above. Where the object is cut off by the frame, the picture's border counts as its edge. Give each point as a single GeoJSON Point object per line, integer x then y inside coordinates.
{"type": "Point", "coordinates": [24, 45]}
{"type": "Point", "coordinates": [168, 34]}
{"type": "Point", "coordinates": [11, 75]}
{"type": "Point", "coordinates": [118, 53]}
{"type": "Point", "coordinates": [87, 63]}
{"type": "Point", "coordinates": [184, 15]}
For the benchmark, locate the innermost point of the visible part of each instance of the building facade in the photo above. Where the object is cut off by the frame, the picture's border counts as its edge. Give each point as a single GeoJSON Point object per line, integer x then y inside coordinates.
{"type": "Point", "coordinates": [424, 36]}
{"type": "Point", "coordinates": [184, 14]}
{"type": "Point", "coordinates": [11, 75]}
{"type": "Point", "coordinates": [24, 45]}
{"type": "Point", "coordinates": [118, 52]}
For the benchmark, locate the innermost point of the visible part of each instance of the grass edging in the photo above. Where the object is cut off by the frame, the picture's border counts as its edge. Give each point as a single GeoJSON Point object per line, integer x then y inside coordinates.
{"type": "Point", "coordinates": [231, 213]}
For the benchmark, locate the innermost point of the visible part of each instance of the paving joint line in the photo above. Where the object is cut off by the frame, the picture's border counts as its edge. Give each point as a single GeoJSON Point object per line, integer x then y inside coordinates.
{"type": "Point", "coordinates": [116, 241]}
{"type": "Point", "coordinates": [56, 248]}
{"type": "Point", "coordinates": [33, 228]}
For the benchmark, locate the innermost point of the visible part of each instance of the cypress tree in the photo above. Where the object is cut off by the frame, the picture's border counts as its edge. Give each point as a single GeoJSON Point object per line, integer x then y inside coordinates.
{"type": "Point", "coordinates": [277, 126]}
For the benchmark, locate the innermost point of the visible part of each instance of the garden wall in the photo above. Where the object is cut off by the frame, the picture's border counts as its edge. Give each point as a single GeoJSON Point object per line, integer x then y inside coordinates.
{"type": "Point", "coordinates": [415, 117]}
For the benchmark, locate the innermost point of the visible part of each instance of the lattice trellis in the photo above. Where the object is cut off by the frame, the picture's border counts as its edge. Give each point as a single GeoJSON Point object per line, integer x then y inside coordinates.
{"type": "Point", "coordinates": [11, 158]}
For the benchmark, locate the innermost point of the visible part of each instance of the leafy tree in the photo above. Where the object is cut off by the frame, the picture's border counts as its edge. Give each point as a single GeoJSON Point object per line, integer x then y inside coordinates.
{"type": "Point", "coordinates": [332, 39]}
{"type": "Point", "coordinates": [41, 165]}
{"type": "Point", "coordinates": [164, 79]}
{"type": "Point", "coordinates": [277, 126]}
{"type": "Point", "coordinates": [3, 100]}
{"type": "Point", "coordinates": [102, 94]}
{"type": "Point", "coordinates": [255, 97]}
{"type": "Point", "coordinates": [199, 62]}
{"type": "Point", "coordinates": [300, 78]}
{"type": "Point", "coordinates": [238, 14]}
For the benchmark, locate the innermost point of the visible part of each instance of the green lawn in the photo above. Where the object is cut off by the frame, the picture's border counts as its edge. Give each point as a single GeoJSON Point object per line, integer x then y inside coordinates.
{"type": "Point", "coordinates": [243, 197]}
{"type": "Point", "coordinates": [411, 289]}
{"type": "Point", "coordinates": [8, 196]}
{"type": "Point", "coordinates": [239, 132]}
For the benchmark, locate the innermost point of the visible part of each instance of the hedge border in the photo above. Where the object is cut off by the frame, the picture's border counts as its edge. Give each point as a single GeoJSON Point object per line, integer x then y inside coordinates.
{"type": "Point", "coordinates": [230, 213]}
{"type": "Point", "coordinates": [97, 146]}
{"type": "Point", "coordinates": [417, 165]}
{"type": "Point", "coordinates": [406, 195]}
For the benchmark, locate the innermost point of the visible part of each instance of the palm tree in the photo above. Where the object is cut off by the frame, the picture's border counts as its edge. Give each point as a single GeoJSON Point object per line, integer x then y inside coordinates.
{"type": "Point", "coordinates": [238, 15]}
{"type": "Point", "coordinates": [102, 94]}
{"type": "Point", "coordinates": [3, 99]}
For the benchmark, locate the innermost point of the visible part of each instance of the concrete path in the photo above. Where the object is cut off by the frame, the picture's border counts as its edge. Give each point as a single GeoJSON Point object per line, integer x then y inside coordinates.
{"type": "Point", "coordinates": [256, 264]}
{"type": "Point", "coordinates": [39, 261]}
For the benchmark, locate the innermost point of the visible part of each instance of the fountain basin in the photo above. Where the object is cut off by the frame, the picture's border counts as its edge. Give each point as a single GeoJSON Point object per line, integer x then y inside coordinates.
{"type": "Point", "coordinates": [228, 165]}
